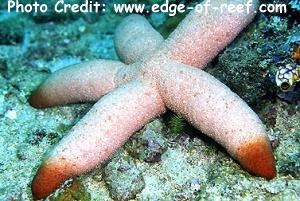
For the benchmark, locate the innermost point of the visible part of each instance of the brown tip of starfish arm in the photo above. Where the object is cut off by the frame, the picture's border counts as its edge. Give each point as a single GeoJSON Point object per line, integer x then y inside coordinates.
{"type": "Point", "coordinates": [257, 158]}
{"type": "Point", "coordinates": [37, 100]}
{"type": "Point", "coordinates": [48, 178]}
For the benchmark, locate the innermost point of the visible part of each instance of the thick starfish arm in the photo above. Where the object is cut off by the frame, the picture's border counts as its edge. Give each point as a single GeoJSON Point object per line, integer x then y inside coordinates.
{"type": "Point", "coordinates": [202, 35]}
{"type": "Point", "coordinates": [87, 81]}
{"type": "Point", "coordinates": [134, 38]}
{"type": "Point", "coordinates": [100, 133]}
{"type": "Point", "coordinates": [218, 112]}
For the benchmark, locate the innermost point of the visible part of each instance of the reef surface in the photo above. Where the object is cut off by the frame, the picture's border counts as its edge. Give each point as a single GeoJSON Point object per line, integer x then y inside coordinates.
{"type": "Point", "coordinates": [167, 159]}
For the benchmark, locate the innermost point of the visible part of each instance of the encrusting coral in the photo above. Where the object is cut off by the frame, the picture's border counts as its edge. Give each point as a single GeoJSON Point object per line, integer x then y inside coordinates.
{"type": "Point", "coordinates": [157, 75]}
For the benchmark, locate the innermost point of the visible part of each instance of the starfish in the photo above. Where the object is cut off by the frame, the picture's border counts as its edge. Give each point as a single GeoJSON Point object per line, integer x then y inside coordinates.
{"type": "Point", "coordinates": [154, 75]}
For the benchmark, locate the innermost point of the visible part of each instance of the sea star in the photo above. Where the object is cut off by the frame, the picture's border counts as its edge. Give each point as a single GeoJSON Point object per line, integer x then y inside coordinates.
{"type": "Point", "coordinates": [155, 75]}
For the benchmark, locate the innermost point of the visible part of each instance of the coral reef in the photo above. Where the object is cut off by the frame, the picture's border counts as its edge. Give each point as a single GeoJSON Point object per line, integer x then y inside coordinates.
{"type": "Point", "coordinates": [161, 78]}
{"type": "Point", "coordinates": [189, 166]}
{"type": "Point", "coordinates": [249, 66]}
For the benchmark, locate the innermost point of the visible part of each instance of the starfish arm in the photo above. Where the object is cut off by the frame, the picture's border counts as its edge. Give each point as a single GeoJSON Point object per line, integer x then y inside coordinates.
{"type": "Point", "coordinates": [202, 35]}
{"type": "Point", "coordinates": [99, 134]}
{"type": "Point", "coordinates": [87, 81]}
{"type": "Point", "coordinates": [135, 37]}
{"type": "Point", "coordinates": [218, 112]}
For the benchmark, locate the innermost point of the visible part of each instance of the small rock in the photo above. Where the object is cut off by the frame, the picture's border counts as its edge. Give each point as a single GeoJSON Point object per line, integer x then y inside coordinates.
{"type": "Point", "coordinates": [123, 178]}
{"type": "Point", "coordinates": [195, 185]}
{"type": "Point", "coordinates": [11, 114]}
{"type": "Point", "coordinates": [149, 144]}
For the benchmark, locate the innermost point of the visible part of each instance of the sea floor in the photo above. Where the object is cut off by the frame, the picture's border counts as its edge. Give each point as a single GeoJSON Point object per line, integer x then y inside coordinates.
{"type": "Point", "coordinates": [156, 163]}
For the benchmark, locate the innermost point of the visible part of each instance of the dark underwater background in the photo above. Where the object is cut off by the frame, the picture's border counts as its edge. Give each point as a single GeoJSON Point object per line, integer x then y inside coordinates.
{"type": "Point", "coordinates": [168, 159]}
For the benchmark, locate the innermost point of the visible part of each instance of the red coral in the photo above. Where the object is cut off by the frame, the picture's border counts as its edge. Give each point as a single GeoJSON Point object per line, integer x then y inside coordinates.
{"type": "Point", "coordinates": [296, 54]}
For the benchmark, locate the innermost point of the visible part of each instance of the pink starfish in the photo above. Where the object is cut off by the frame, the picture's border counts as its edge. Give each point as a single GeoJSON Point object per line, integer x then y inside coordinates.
{"type": "Point", "coordinates": [159, 75]}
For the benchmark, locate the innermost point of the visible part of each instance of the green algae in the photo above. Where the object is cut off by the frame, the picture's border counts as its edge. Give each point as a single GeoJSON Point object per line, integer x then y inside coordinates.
{"type": "Point", "coordinates": [177, 124]}
{"type": "Point", "coordinates": [62, 127]}
{"type": "Point", "coordinates": [75, 191]}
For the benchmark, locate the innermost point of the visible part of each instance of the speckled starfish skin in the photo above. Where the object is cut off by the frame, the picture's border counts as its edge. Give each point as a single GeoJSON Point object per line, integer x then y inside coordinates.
{"type": "Point", "coordinates": [156, 75]}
